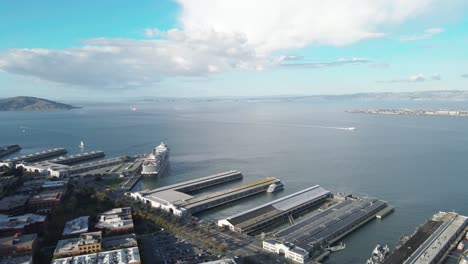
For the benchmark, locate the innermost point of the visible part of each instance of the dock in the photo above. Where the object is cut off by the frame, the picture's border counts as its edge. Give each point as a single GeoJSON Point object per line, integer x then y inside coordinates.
{"type": "Point", "coordinates": [71, 160]}
{"type": "Point", "coordinates": [8, 149]}
{"type": "Point", "coordinates": [255, 220]}
{"type": "Point", "coordinates": [384, 212]}
{"type": "Point", "coordinates": [177, 198]}
{"type": "Point", "coordinates": [42, 155]}
{"type": "Point", "coordinates": [311, 236]}
{"type": "Point", "coordinates": [431, 241]}
{"type": "Point", "coordinates": [200, 183]}
{"type": "Point", "coordinates": [198, 204]}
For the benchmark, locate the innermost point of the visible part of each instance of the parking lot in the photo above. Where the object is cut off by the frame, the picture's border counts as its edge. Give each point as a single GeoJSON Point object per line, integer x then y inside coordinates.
{"type": "Point", "coordinates": [164, 248]}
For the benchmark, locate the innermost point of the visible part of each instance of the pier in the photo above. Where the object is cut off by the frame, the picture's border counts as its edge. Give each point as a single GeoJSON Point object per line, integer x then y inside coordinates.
{"type": "Point", "coordinates": [5, 150]}
{"type": "Point", "coordinates": [34, 156]}
{"type": "Point", "coordinates": [70, 160]}
{"type": "Point", "coordinates": [176, 198]}
{"type": "Point", "coordinates": [257, 219]}
{"type": "Point", "coordinates": [311, 236]}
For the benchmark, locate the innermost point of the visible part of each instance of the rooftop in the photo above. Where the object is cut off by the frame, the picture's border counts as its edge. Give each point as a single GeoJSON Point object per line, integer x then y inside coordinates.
{"type": "Point", "coordinates": [36, 154]}
{"type": "Point", "coordinates": [16, 260]}
{"type": "Point", "coordinates": [119, 256]}
{"type": "Point", "coordinates": [116, 218]}
{"type": "Point", "coordinates": [13, 201]}
{"type": "Point", "coordinates": [76, 226]}
{"type": "Point", "coordinates": [115, 242]}
{"type": "Point", "coordinates": [69, 245]}
{"type": "Point", "coordinates": [279, 205]}
{"type": "Point", "coordinates": [18, 222]}
{"type": "Point", "coordinates": [80, 156]}
{"type": "Point", "coordinates": [46, 196]}
{"type": "Point", "coordinates": [22, 240]}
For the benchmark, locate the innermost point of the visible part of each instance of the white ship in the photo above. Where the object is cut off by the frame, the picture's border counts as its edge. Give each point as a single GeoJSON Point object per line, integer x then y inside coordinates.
{"type": "Point", "coordinates": [156, 161]}
{"type": "Point", "coordinates": [379, 254]}
{"type": "Point", "coordinates": [275, 187]}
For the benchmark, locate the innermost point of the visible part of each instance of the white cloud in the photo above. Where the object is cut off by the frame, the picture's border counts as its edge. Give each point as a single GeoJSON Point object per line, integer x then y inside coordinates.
{"type": "Point", "coordinates": [125, 63]}
{"type": "Point", "coordinates": [415, 78]}
{"type": "Point", "coordinates": [217, 36]}
{"type": "Point", "coordinates": [271, 25]}
{"type": "Point", "coordinates": [427, 34]}
{"type": "Point", "coordinates": [339, 62]}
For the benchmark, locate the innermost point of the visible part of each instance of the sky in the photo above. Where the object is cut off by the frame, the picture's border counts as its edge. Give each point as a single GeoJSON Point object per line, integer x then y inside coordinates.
{"type": "Point", "coordinates": [186, 48]}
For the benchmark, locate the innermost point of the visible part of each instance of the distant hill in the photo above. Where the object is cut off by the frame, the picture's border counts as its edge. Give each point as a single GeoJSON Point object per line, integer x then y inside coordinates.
{"type": "Point", "coordinates": [441, 96]}
{"type": "Point", "coordinates": [25, 103]}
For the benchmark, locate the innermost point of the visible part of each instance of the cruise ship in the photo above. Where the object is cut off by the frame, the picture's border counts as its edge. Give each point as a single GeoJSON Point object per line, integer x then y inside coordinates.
{"type": "Point", "coordinates": [156, 161]}
{"type": "Point", "coordinates": [275, 187]}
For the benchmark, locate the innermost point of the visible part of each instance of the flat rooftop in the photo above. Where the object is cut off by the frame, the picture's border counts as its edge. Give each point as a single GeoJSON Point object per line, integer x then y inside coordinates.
{"type": "Point", "coordinates": [69, 245]}
{"type": "Point", "coordinates": [76, 226]}
{"type": "Point", "coordinates": [197, 201]}
{"type": "Point", "coordinates": [68, 160]}
{"type": "Point", "coordinates": [405, 250]}
{"type": "Point", "coordinates": [429, 251]}
{"type": "Point", "coordinates": [277, 207]}
{"type": "Point", "coordinates": [117, 218]}
{"type": "Point", "coordinates": [19, 222]}
{"type": "Point", "coordinates": [199, 181]}
{"type": "Point", "coordinates": [16, 260]}
{"type": "Point", "coordinates": [38, 155]}
{"type": "Point", "coordinates": [18, 241]}
{"type": "Point", "coordinates": [120, 256]}
{"type": "Point", "coordinates": [325, 225]}
{"type": "Point", "coordinates": [94, 164]}
{"type": "Point", "coordinates": [13, 201]}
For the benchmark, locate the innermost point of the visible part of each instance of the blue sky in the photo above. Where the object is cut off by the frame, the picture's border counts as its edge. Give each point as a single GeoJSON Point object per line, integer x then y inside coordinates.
{"type": "Point", "coordinates": [81, 49]}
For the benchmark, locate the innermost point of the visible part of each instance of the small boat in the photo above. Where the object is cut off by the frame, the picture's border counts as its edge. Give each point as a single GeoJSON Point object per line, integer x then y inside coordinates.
{"type": "Point", "coordinates": [275, 187]}
{"type": "Point", "coordinates": [460, 246]}
{"type": "Point", "coordinates": [351, 128]}
{"type": "Point", "coordinates": [81, 145]}
{"type": "Point", "coordinates": [339, 247]}
{"type": "Point", "coordinates": [133, 109]}
{"type": "Point", "coordinates": [379, 254]}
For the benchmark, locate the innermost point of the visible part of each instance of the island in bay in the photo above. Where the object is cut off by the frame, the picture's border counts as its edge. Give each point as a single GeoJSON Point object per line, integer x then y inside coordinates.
{"type": "Point", "coordinates": [27, 103]}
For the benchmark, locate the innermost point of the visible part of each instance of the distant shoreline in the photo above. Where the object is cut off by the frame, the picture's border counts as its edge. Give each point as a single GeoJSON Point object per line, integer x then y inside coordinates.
{"type": "Point", "coordinates": [426, 112]}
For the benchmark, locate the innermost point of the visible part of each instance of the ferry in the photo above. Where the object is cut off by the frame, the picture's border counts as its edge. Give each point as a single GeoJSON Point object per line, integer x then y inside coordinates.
{"type": "Point", "coordinates": [155, 162]}
{"type": "Point", "coordinates": [275, 187]}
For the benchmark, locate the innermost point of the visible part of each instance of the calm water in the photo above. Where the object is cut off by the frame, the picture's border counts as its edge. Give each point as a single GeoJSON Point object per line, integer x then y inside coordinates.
{"type": "Point", "coordinates": [416, 163]}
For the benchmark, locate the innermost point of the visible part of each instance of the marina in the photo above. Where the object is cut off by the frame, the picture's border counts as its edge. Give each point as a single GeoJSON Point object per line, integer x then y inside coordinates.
{"type": "Point", "coordinates": [257, 219]}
